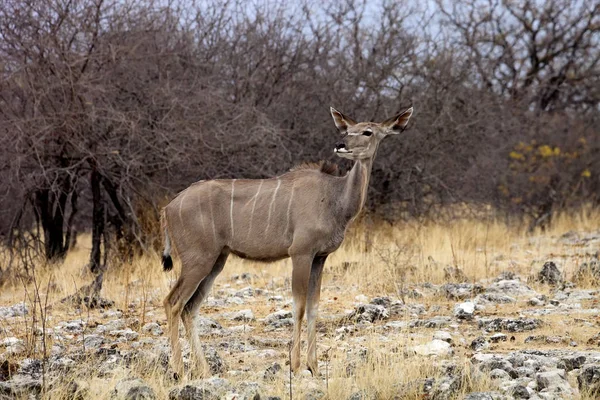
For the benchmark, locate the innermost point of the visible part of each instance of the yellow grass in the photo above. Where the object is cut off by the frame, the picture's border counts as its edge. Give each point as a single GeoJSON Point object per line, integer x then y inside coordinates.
{"type": "Point", "coordinates": [399, 256]}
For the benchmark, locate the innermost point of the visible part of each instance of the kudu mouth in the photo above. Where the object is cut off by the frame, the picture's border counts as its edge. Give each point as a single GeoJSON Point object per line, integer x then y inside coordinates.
{"type": "Point", "coordinates": [342, 150]}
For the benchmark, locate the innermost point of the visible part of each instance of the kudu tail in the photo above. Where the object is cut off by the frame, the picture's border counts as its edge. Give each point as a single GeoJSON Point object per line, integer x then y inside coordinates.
{"type": "Point", "coordinates": [167, 261]}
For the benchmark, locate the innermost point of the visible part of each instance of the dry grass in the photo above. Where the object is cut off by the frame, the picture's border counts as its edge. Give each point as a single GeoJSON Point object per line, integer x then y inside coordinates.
{"type": "Point", "coordinates": [401, 256]}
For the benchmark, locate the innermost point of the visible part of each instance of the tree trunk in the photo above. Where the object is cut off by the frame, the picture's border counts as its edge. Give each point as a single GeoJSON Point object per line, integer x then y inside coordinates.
{"type": "Point", "coordinates": [51, 217]}
{"type": "Point", "coordinates": [97, 220]}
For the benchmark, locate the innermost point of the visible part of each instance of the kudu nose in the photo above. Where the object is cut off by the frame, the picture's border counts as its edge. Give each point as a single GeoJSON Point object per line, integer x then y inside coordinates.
{"type": "Point", "coordinates": [340, 145]}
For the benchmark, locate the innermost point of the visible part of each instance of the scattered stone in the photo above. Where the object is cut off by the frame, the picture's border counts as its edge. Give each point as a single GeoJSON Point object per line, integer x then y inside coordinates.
{"type": "Point", "coordinates": [398, 308]}
{"type": "Point", "coordinates": [537, 301]}
{"type": "Point", "coordinates": [133, 389]}
{"type": "Point", "coordinates": [16, 310]}
{"type": "Point", "coordinates": [382, 301]}
{"type": "Point", "coordinates": [215, 362]}
{"type": "Point", "coordinates": [434, 348]}
{"type": "Point", "coordinates": [571, 362]}
{"type": "Point", "coordinates": [553, 381]}
{"type": "Point", "coordinates": [442, 335]}
{"type": "Point", "coordinates": [499, 374]}
{"type": "Point", "coordinates": [207, 326]}
{"type": "Point", "coordinates": [571, 296]}
{"type": "Point", "coordinates": [589, 380]}
{"type": "Point", "coordinates": [546, 339]}
{"type": "Point", "coordinates": [75, 326]}
{"type": "Point", "coordinates": [13, 346]}
{"type": "Point", "coordinates": [484, 396]}
{"type": "Point", "coordinates": [498, 337]}
{"type": "Point", "coordinates": [524, 372]}
{"type": "Point", "coordinates": [464, 310]}
{"type": "Point", "coordinates": [246, 292]}
{"type": "Point", "coordinates": [444, 388]}
{"type": "Point", "coordinates": [234, 300]}
{"type": "Point", "coordinates": [509, 324]}
{"type": "Point", "coordinates": [510, 287]}
{"type": "Point", "coordinates": [479, 344]}
{"type": "Point", "coordinates": [461, 291]}
{"type": "Point", "coordinates": [520, 392]}
{"type": "Point", "coordinates": [31, 367]}
{"type": "Point", "coordinates": [125, 334]}
{"type": "Point", "coordinates": [62, 364]}
{"type": "Point", "coordinates": [506, 276]}
{"type": "Point", "coordinates": [550, 274]}
{"type": "Point", "coordinates": [21, 387]}
{"type": "Point", "coordinates": [242, 315]}
{"type": "Point", "coordinates": [435, 322]}
{"type": "Point", "coordinates": [369, 313]}
{"type": "Point", "coordinates": [93, 341]}
{"type": "Point", "coordinates": [153, 328]}
{"type": "Point", "coordinates": [195, 390]}
{"type": "Point", "coordinates": [495, 362]}
{"type": "Point", "coordinates": [272, 371]}
{"type": "Point", "coordinates": [279, 319]}
{"type": "Point", "coordinates": [497, 298]}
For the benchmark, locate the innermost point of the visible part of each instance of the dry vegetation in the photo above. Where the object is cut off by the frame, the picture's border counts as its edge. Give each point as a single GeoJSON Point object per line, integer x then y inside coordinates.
{"type": "Point", "coordinates": [401, 257]}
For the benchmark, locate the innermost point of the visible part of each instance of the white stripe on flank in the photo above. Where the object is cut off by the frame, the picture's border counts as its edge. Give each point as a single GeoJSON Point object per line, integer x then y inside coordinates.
{"type": "Point", "coordinates": [287, 225]}
{"type": "Point", "coordinates": [271, 205]}
{"type": "Point", "coordinates": [181, 206]}
{"type": "Point", "coordinates": [253, 206]}
{"type": "Point", "coordinates": [199, 203]}
{"type": "Point", "coordinates": [231, 206]}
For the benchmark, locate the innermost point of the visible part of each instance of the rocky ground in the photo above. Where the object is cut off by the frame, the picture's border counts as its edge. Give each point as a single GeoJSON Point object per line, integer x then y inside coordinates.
{"type": "Point", "coordinates": [513, 336]}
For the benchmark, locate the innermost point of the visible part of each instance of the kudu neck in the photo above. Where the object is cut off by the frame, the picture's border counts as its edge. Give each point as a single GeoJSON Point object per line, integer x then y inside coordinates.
{"type": "Point", "coordinates": [356, 186]}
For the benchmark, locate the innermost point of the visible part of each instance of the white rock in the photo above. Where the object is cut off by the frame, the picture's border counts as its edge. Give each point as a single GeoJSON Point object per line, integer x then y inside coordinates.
{"type": "Point", "coordinates": [464, 310]}
{"type": "Point", "coordinates": [434, 348]}
{"type": "Point", "coordinates": [152, 328]}
{"type": "Point", "coordinates": [126, 334]}
{"type": "Point", "coordinates": [443, 335]}
{"type": "Point", "coordinates": [278, 315]}
{"type": "Point", "coordinates": [16, 310]}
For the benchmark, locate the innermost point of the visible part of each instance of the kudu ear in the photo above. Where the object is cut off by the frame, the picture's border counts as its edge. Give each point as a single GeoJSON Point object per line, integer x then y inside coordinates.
{"type": "Point", "coordinates": [397, 124]}
{"type": "Point", "coordinates": [341, 121]}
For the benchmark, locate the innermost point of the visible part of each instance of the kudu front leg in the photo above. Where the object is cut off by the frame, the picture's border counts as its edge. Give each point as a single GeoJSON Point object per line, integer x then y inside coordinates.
{"type": "Point", "coordinates": [300, 278]}
{"type": "Point", "coordinates": [312, 311]}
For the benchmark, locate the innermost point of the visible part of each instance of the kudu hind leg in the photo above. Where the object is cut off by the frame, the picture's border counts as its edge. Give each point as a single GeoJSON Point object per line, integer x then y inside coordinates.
{"type": "Point", "coordinates": [300, 277]}
{"type": "Point", "coordinates": [190, 313]}
{"type": "Point", "coordinates": [312, 311]}
{"type": "Point", "coordinates": [185, 287]}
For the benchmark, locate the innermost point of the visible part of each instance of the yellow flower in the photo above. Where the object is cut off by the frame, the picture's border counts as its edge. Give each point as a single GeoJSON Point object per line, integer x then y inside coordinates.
{"type": "Point", "coordinates": [516, 155]}
{"type": "Point", "coordinates": [545, 151]}
{"type": "Point", "coordinates": [586, 173]}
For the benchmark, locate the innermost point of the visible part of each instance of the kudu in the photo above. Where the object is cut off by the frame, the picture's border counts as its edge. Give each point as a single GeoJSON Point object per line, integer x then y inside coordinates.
{"type": "Point", "coordinates": [302, 214]}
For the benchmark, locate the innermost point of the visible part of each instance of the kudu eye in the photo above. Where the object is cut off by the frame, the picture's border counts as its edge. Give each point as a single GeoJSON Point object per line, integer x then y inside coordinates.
{"type": "Point", "coordinates": [367, 133]}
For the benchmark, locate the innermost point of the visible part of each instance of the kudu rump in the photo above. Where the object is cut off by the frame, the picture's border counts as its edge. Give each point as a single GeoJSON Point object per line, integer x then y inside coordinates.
{"type": "Point", "coordinates": [302, 214]}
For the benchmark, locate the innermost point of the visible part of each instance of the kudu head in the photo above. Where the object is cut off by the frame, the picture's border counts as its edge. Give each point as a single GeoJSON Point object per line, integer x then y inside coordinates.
{"type": "Point", "coordinates": [361, 139]}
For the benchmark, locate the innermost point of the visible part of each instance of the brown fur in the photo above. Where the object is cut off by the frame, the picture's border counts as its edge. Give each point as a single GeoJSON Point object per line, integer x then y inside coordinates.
{"type": "Point", "coordinates": [323, 166]}
{"type": "Point", "coordinates": [302, 214]}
